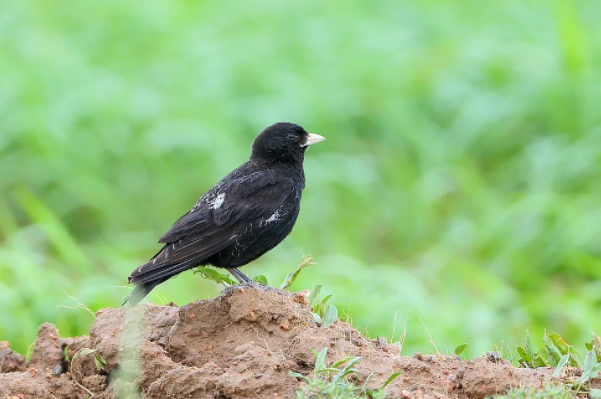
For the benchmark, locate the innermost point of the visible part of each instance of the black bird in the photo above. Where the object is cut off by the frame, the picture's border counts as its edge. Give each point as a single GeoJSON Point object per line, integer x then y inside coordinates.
{"type": "Point", "coordinates": [239, 219]}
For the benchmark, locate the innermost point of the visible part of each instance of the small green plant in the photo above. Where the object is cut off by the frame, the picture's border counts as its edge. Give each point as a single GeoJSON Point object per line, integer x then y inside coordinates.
{"type": "Point", "coordinates": [261, 279]}
{"type": "Point", "coordinates": [590, 369]}
{"type": "Point", "coordinates": [595, 345]}
{"type": "Point", "coordinates": [556, 352]}
{"type": "Point", "coordinates": [324, 313]}
{"type": "Point", "coordinates": [306, 261]}
{"type": "Point", "coordinates": [333, 382]}
{"type": "Point", "coordinates": [99, 361]}
{"type": "Point", "coordinates": [546, 392]}
{"type": "Point", "coordinates": [459, 350]}
{"type": "Point", "coordinates": [210, 273]}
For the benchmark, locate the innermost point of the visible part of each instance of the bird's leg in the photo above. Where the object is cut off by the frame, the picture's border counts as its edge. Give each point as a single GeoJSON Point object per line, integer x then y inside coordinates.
{"type": "Point", "coordinates": [241, 277]}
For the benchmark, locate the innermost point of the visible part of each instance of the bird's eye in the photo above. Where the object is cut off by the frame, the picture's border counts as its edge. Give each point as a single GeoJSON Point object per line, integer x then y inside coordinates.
{"type": "Point", "coordinates": [291, 136]}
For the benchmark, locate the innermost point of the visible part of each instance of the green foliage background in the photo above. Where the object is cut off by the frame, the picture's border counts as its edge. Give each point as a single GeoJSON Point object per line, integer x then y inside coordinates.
{"type": "Point", "coordinates": [459, 181]}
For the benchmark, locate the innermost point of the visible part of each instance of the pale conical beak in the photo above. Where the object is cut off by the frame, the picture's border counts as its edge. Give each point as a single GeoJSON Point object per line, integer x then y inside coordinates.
{"type": "Point", "coordinates": [312, 139]}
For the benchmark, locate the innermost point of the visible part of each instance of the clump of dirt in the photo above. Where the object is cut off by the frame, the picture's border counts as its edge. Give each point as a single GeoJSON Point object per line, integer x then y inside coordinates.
{"type": "Point", "coordinates": [42, 376]}
{"type": "Point", "coordinates": [242, 344]}
{"type": "Point", "coordinates": [10, 361]}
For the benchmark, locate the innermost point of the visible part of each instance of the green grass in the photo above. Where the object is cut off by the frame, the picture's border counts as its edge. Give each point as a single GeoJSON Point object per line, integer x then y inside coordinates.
{"type": "Point", "coordinates": [559, 354]}
{"type": "Point", "coordinates": [459, 180]}
{"type": "Point", "coordinates": [547, 392]}
{"type": "Point", "coordinates": [334, 381]}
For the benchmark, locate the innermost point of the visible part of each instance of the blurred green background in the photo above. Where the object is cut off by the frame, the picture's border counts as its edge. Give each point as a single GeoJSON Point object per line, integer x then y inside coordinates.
{"type": "Point", "coordinates": [460, 180]}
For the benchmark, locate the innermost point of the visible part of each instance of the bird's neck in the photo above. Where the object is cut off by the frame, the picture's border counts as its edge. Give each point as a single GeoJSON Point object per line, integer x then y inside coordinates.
{"type": "Point", "coordinates": [289, 163]}
{"type": "Point", "coordinates": [295, 156]}
{"type": "Point", "coordinates": [293, 169]}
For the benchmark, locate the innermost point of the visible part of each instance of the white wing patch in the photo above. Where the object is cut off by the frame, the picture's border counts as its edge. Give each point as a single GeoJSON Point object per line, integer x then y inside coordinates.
{"type": "Point", "coordinates": [274, 218]}
{"type": "Point", "coordinates": [216, 202]}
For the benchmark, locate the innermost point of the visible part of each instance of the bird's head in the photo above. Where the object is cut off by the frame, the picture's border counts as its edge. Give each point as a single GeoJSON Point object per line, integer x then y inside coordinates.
{"type": "Point", "coordinates": [284, 142]}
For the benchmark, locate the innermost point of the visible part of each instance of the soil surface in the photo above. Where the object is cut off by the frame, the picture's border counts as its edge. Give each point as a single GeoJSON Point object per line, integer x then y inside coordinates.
{"type": "Point", "coordinates": [242, 344]}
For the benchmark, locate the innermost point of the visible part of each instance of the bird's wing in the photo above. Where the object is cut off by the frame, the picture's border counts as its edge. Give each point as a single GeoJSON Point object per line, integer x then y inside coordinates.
{"type": "Point", "coordinates": [230, 201]}
{"type": "Point", "coordinates": [214, 222]}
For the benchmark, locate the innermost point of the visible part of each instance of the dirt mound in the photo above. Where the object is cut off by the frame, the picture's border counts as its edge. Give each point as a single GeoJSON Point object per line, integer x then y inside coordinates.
{"type": "Point", "coordinates": [242, 344]}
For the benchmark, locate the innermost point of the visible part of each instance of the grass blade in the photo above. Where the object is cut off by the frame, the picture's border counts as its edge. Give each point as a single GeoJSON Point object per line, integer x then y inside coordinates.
{"type": "Point", "coordinates": [331, 315]}
{"type": "Point", "coordinates": [320, 361]}
{"type": "Point", "coordinates": [562, 362]}
{"type": "Point", "coordinates": [589, 362]}
{"type": "Point", "coordinates": [313, 295]}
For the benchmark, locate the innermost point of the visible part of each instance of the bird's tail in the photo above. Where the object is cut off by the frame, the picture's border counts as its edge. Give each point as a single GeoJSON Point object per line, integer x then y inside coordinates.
{"type": "Point", "coordinates": [156, 271]}
{"type": "Point", "coordinates": [141, 290]}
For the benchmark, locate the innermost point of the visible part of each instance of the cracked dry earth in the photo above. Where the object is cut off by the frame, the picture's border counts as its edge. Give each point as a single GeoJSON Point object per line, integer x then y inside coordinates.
{"type": "Point", "coordinates": [242, 344]}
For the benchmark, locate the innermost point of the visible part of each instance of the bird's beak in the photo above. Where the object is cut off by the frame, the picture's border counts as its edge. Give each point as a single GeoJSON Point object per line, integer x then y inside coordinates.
{"type": "Point", "coordinates": [312, 139]}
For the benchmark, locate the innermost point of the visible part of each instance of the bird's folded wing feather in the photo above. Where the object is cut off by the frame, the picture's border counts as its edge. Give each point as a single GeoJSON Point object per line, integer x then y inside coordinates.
{"type": "Point", "coordinates": [223, 212]}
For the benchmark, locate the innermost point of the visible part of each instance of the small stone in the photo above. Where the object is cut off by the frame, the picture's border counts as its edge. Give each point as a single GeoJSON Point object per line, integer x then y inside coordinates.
{"type": "Point", "coordinates": [494, 357]}
{"type": "Point", "coordinates": [301, 297]}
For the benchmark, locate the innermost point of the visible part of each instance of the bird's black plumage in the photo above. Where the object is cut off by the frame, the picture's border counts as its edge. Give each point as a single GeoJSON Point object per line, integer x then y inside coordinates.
{"type": "Point", "coordinates": [246, 214]}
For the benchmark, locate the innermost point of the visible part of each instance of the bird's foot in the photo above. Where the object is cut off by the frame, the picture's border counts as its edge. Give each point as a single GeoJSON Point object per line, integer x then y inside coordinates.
{"type": "Point", "coordinates": [254, 286]}
{"type": "Point", "coordinates": [251, 283]}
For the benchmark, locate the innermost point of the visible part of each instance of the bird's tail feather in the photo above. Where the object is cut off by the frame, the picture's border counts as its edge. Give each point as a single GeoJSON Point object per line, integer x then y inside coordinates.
{"type": "Point", "coordinates": [141, 290]}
